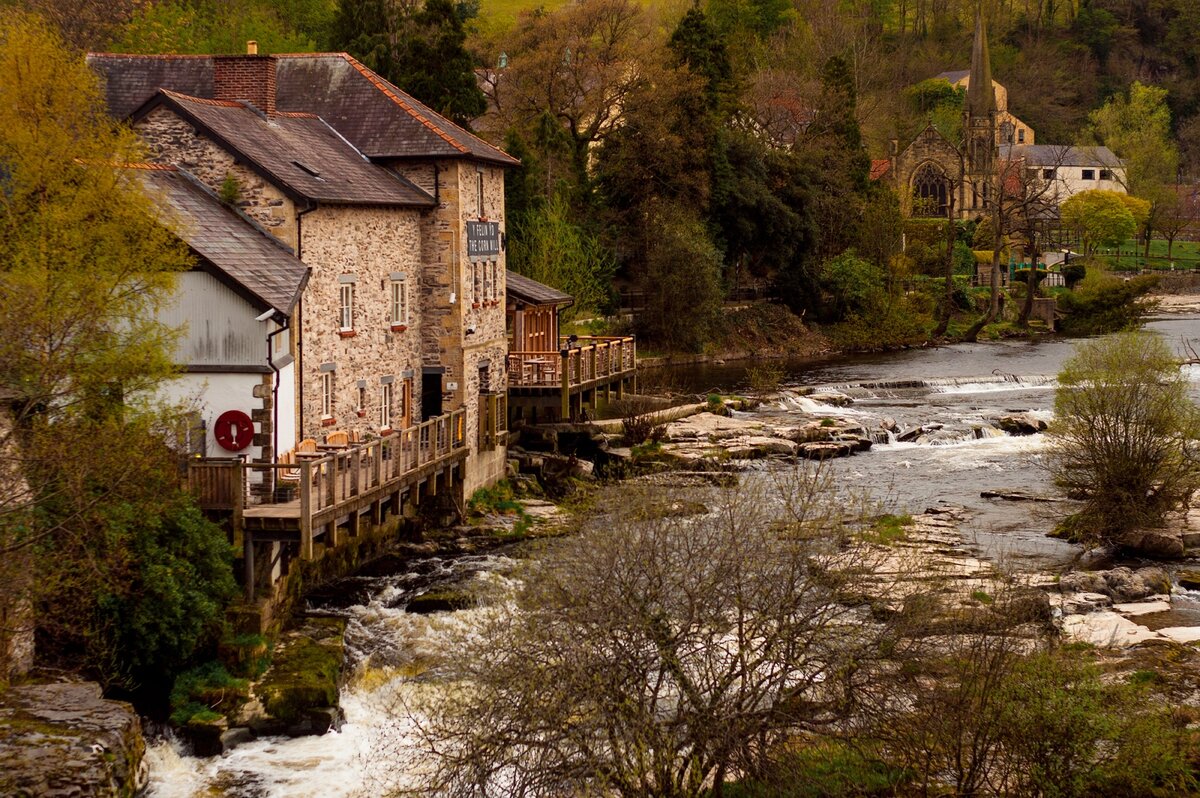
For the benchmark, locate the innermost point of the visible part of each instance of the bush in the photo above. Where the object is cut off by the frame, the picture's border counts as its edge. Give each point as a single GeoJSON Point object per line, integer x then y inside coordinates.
{"type": "Point", "coordinates": [1123, 436]}
{"type": "Point", "coordinates": [1102, 304]}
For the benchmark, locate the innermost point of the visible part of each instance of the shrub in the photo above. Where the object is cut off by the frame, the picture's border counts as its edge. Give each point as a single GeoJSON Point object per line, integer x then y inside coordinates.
{"type": "Point", "coordinates": [1102, 304]}
{"type": "Point", "coordinates": [1123, 436]}
{"type": "Point", "coordinates": [765, 378]}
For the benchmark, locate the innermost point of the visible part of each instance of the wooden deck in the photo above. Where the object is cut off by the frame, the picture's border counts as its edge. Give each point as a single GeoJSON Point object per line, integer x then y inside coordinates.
{"type": "Point", "coordinates": [581, 367]}
{"type": "Point", "coordinates": [301, 503]}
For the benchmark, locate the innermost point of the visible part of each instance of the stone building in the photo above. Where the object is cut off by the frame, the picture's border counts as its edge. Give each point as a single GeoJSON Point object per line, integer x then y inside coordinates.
{"type": "Point", "coordinates": [398, 213]}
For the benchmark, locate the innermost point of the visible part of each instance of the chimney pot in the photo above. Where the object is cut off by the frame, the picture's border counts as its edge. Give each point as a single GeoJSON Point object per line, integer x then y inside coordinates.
{"type": "Point", "coordinates": [251, 47]}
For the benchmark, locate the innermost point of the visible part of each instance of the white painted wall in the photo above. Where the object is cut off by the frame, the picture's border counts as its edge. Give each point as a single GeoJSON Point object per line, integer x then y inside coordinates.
{"type": "Point", "coordinates": [212, 395]}
{"type": "Point", "coordinates": [1070, 181]}
{"type": "Point", "coordinates": [285, 404]}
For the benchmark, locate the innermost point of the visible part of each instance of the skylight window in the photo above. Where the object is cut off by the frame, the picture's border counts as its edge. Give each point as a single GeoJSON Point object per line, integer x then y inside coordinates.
{"type": "Point", "coordinates": [308, 169]}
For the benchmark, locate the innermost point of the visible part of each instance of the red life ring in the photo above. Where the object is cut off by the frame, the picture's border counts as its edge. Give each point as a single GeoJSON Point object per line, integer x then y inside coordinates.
{"type": "Point", "coordinates": [234, 430]}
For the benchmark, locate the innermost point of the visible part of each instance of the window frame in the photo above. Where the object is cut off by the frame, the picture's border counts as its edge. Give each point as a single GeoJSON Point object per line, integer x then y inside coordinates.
{"type": "Point", "coordinates": [346, 307]}
{"type": "Point", "coordinates": [327, 394]}
{"type": "Point", "coordinates": [398, 312]}
{"type": "Point", "coordinates": [1088, 174]}
{"type": "Point", "coordinates": [1104, 174]}
{"type": "Point", "coordinates": [1050, 174]}
{"type": "Point", "coordinates": [386, 397]}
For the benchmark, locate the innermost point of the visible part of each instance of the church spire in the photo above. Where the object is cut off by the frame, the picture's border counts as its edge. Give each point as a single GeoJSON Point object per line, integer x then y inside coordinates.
{"type": "Point", "coordinates": [981, 97]}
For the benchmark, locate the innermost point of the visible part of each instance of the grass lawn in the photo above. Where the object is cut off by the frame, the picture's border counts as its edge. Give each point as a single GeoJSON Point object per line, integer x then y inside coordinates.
{"type": "Point", "coordinates": [499, 15]}
{"type": "Point", "coordinates": [1185, 255]}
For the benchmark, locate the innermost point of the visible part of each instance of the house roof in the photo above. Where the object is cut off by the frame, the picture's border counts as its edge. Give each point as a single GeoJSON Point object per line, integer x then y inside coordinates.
{"type": "Point", "coordinates": [954, 76]}
{"type": "Point", "coordinates": [531, 292]}
{"type": "Point", "coordinates": [1062, 155]}
{"type": "Point", "coordinates": [245, 256]}
{"type": "Point", "coordinates": [299, 153]}
{"type": "Point", "coordinates": [880, 167]}
{"type": "Point", "coordinates": [377, 117]}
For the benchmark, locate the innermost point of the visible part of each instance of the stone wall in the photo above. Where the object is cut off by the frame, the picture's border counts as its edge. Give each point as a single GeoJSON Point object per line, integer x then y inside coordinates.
{"type": "Point", "coordinates": [448, 273]}
{"type": "Point", "coordinates": [928, 146]}
{"type": "Point", "coordinates": [368, 246]}
{"type": "Point", "coordinates": [174, 141]}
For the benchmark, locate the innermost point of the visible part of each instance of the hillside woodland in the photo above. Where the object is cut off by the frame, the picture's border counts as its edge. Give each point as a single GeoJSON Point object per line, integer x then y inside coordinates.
{"type": "Point", "coordinates": [690, 151]}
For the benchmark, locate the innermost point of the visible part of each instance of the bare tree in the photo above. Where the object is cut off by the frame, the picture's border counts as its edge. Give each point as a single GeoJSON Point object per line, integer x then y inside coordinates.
{"type": "Point", "coordinates": [654, 654]}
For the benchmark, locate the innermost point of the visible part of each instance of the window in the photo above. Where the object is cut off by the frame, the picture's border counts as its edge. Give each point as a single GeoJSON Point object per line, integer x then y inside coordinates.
{"type": "Point", "coordinates": [1049, 174]}
{"type": "Point", "coordinates": [346, 315]}
{"type": "Point", "coordinates": [1089, 174]}
{"type": "Point", "coordinates": [327, 394]}
{"type": "Point", "coordinates": [495, 281]}
{"type": "Point", "coordinates": [399, 314]}
{"type": "Point", "coordinates": [486, 293]}
{"type": "Point", "coordinates": [362, 398]}
{"type": "Point", "coordinates": [385, 406]}
{"type": "Point", "coordinates": [482, 213]}
{"type": "Point", "coordinates": [1105, 174]}
{"type": "Point", "coordinates": [1020, 135]}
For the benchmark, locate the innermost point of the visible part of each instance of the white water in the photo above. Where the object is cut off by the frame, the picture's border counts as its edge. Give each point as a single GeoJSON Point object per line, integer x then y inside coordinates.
{"type": "Point", "coordinates": [392, 648]}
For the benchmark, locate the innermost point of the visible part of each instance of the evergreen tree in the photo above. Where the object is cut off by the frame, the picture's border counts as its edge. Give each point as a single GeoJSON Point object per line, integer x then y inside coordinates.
{"type": "Point", "coordinates": [434, 66]}
{"type": "Point", "coordinates": [423, 53]}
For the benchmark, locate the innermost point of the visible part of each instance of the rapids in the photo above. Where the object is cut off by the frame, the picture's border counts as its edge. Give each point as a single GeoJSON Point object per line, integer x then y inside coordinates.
{"type": "Point", "coordinates": [960, 387]}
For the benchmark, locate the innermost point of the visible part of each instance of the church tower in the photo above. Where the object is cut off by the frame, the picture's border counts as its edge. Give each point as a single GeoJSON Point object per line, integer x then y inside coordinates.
{"type": "Point", "coordinates": [979, 125]}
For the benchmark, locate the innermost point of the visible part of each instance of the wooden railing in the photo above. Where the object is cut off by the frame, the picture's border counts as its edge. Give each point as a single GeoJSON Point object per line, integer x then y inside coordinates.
{"type": "Point", "coordinates": [325, 479]}
{"type": "Point", "coordinates": [576, 363]}
{"type": "Point", "coordinates": [493, 419]}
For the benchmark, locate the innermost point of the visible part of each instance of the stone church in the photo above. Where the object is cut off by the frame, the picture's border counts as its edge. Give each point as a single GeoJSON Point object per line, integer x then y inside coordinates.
{"type": "Point", "coordinates": [936, 177]}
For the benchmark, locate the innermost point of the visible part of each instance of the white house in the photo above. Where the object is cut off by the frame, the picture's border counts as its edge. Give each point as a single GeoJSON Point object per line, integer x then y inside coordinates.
{"type": "Point", "coordinates": [235, 310]}
{"type": "Point", "coordinates": [1070, 169]}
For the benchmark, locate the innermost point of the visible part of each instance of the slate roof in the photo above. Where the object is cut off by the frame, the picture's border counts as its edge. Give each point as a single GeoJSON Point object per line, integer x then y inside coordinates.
{"type": "Point", "coordinates": [1062, 155]}
{"type": "Point", "coordinates": [531, 292]}
{"type": "Point", "coordinates": [250, 259]}
{"type": "Point", "coordinates": [377, 117]}
{"type": "Point", "coordinates": [299, 153]}
{"type": "Point", "coordinates": [954, 76]}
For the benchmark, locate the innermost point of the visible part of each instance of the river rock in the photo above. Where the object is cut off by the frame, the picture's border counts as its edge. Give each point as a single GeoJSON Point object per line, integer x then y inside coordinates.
{"type": "Point", "coordinates": [1017, 496]}
{"type": "Point", "coordinates": [1157, 544]}
{"type": "Point", "coordinates": [298, 695]}
{"type": "Point", "coordinates": [824, 451]}
{"type": "Point", "coordinates": [1021, 424]}
{"type": "Point", "coordinates": [835, 398]}
{"type": "Point", "coordinates": [912, 434]}
{"type": "Point", "coordinates": [1120, 584]}
{"type": "Point", "coordinates": [67, 741]}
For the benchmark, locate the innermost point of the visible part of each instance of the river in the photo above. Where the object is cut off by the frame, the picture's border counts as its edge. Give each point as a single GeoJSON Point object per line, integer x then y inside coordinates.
{"type": "Point", "coordinates": [958, 387]}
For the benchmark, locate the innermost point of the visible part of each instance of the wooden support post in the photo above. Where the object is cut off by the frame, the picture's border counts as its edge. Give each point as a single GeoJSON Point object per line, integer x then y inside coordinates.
{"type": "Point", "coordinates": [565, 380]}
{"type": "Point", "coordinates": [431, 488]}
{"type": "Point", "coordinates": [306, 508]}
{"type": "Point", "coordinates": [248, 556]}
{"type": "Point", "coordinates": [377, 512]}
{"type": "Point", "coordinates": [398, 503]}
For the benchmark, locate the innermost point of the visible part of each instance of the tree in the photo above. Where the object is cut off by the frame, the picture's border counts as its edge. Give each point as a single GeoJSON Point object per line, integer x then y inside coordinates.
{"type": "Point", "coordinates": [1137, 127]}
{"type": "Point", "coordinates": [420, 49]}
{"type": "Point", "coordinates": [1123, 438]}
{"type": "Point", "coordinates": [548, 247]}
{"type": "Point", "coordinates": [1100, 218]}
{"type": "Point", "coordinates": [578, 66]}
{"type": "Point", "coordinates": [652, 654]}
{"type": "Point", "coordinates": [84, 268]}
{"type": "Point", "coordinates": [210, 26]}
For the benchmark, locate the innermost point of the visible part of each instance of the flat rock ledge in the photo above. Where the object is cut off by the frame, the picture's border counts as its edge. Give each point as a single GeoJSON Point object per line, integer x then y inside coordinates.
{"type": "Point", "coordinates": [710, 441]}
{"type": "Point", "coordinates": [67, 741]}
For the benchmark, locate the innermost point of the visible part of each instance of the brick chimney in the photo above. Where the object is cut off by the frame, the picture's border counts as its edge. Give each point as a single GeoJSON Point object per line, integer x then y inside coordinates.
{"type": "Point", "coordinates": [248, 77]}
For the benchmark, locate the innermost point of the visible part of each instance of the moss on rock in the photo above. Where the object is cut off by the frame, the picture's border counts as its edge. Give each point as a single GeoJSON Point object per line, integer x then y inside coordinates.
{"type": "Point", "coordinates": [306, 671]}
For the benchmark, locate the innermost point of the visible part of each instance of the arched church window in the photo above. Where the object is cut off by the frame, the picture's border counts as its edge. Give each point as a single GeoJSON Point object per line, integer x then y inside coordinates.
{"type": "Point", "coordinates": [931, 191]}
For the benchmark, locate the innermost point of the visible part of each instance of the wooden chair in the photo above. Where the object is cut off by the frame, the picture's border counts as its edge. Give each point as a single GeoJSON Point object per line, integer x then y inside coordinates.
{"type": "Point", "coordinates": [306, 446]}
{"type": "Point", "coordinates": [338, 438]}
